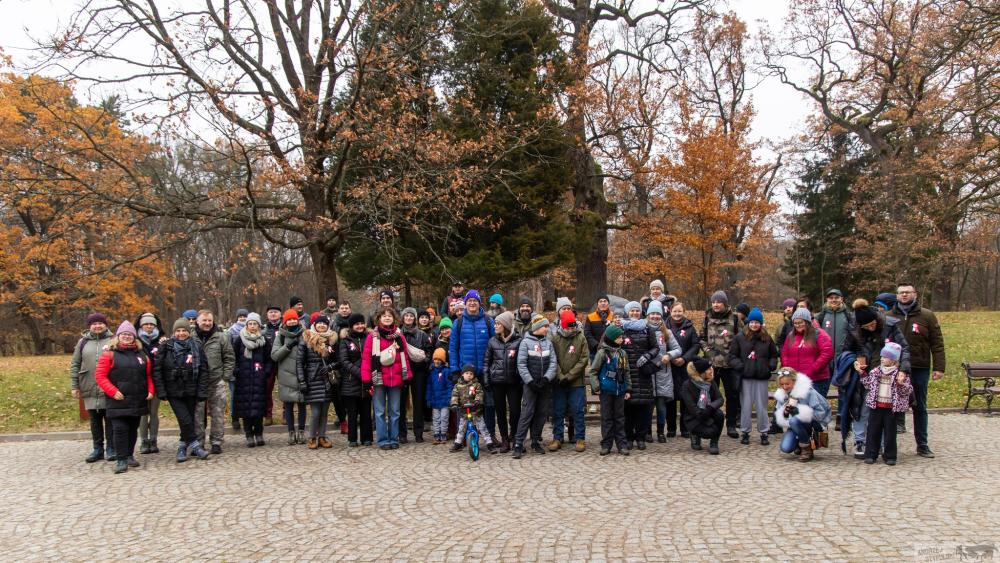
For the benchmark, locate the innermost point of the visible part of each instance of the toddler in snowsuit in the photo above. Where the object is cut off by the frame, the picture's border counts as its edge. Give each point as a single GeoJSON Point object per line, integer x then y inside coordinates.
{"type": "Point", "coordinates": [468, 391]}
{"type": "Point", "coordinates": [439, 389]}
{"type": "Point", "coordinates": [888, 393]}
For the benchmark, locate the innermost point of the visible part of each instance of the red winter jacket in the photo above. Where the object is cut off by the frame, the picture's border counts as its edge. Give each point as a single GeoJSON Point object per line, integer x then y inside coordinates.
{"type": "Point", "coordinates": [812, 360]}
{"type": "Point", "coordinates": [392, 376]}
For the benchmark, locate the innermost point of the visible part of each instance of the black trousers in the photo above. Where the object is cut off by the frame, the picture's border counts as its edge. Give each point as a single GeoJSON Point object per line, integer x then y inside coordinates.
{"type": "Point", "coordinates": [613, 421]}
{"type": "Point", "coordinates": [253, 426]}
{"type": "Point", "coordinates": [126, 432]}
{"type": "Point", "coordinates": [637, 419]}
{"type": "Point", "coordinates": [338, 405]}
{"type": "Point", "coordinates": [100, 428]}
{"type": "Point", "coordinates": [711, 429]}
{"type": "Point", "coordinates": [183, 408]}
{"type": "Point", "coordinates": [359, 418]}
{"type": "Point", "coordinates": [534, 412]}
{"type": "Point", "coordinates": [730, 380]}
{"type": "Point", "coordinates": [507, 403]}
{"type": "Point", "coordinates": [417, 388]}
{"type": "Point", "coordinates": [881, 430]}
{"type": "Point", "coordinates": [674, 408]}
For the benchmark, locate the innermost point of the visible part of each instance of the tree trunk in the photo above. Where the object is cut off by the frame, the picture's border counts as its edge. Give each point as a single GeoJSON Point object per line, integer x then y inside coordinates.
{"type": "Point", "coordinates": [39, 342]}
{"type": "Point", "coordinates": [324, 271]}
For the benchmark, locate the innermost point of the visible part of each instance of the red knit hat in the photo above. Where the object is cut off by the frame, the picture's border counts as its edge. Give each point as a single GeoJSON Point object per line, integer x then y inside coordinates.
{"type": "Point", "coordinates": [567, 319]}
{"type": "Point", "coordinates": [312, 318]}
{"type": "Point", "coordinates": [290, 314]}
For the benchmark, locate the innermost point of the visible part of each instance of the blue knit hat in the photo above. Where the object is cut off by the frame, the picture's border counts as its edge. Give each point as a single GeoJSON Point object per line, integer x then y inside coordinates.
{"type": "Point", "coordinates": [190, 314]}
{"type": "Point", "coordinates": [472, 294]}
{"type": "Point", "coordinates": [755, 315]}
{"type": "Point", "coordinates": [886, 300]}
{"type": "Point", "coordinates": [496, 298]}
{"type": "Point", "coordinates": [892, 351]}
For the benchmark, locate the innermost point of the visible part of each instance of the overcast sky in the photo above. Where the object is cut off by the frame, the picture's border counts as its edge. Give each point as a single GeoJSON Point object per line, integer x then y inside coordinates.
{"type": "Point", "coordinates": [780, 111]}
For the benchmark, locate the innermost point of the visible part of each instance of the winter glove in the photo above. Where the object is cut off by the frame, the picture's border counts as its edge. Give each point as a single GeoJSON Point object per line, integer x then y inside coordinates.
{"type": "Point", "coordinates": [643, 360]}
{"type": "Point", "coordinates": [291, 345]}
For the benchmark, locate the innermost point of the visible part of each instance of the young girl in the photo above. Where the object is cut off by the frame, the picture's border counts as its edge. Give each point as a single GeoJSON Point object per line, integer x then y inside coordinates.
{"type": "Point", "coordinates": [609, 379]}
{"type": "Point", "coordinates": [500, 369]}
{"type": "Point", "coordinates": [888, 393]}
{"type": "Point", "coordinates": [800, 408]}
{"type": "Point", "coordinates": [468, 391]}
{"type": "Point", "coordinates": [702, 401]}
{"type": "Point", "coordinates": [753, 356]}
{"type": "Point", "coordinates": [439, 388]}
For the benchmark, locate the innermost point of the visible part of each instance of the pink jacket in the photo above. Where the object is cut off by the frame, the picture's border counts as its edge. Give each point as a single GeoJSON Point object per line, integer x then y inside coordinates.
{"type": "Point", "coordinates": [814, 361]}
{"type": "Point", "coordinates": [900, 391]}
{"type": "Point", "coordinates": [392, 376]}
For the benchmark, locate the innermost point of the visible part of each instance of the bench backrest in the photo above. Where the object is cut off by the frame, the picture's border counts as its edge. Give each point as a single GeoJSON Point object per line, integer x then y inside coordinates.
{"type": "Point", "coordinates": [982, 370]}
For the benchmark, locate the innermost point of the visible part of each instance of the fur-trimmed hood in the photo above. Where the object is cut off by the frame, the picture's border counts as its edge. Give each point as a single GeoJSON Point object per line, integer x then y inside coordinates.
{"type": "Point", "coordinates": [319, 343]}
{"type": "Point", "coordinates": [811, 405]}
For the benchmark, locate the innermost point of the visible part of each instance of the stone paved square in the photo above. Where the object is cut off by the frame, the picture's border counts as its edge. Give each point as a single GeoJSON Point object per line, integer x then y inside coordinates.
{"type": "Point", "coordinates": [420, 503]}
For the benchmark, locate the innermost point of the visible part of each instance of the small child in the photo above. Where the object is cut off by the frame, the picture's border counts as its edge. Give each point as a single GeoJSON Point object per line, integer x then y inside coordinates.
{"type": "Point", "coordinates": [439, 388]}
{"type": "Point", "coordinates": [609, 380]}
{"type": "Point", "coordinates": [468, 391]}
{"type": "Point", "coordinates": [800, 408]}
{"type": "Point", "coordinates": [888, 393]}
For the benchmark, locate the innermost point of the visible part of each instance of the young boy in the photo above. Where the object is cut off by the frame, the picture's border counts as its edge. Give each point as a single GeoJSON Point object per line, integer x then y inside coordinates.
{"type": "Point", "coordinates": [468, 391]}
{"type": "Point", "coordinates": [439, 389]}
{"type": "Point", "coordinates": [610, 381]}
{"type": "Point", "coordinates": [888, 393]}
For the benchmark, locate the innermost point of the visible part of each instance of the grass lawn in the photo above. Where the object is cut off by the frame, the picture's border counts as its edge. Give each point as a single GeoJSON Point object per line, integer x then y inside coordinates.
{"type": "Point", "coordinates": [35, 397]}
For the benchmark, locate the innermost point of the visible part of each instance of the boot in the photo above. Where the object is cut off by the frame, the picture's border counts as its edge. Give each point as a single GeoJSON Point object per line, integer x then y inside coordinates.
{"type": "Point", "coordinates": [764, 441]}
{"type": "Point", "coordinates": [492, 448]}
{"type": "Point", "coordinates": [181, 452]}
{"type": "Point", "coordinates": [732, 433]}
{"type": "Point", "coordinates": [198, 451]}
{"type": "Point", "coordinates": [648, 437]}
{"type": "Point", "coordinates": [537, 448]}
{"type": "Point", "coordinates": [713, 446]}
{"type": "Point", "coordinates": [250, 442]}
{"type": "Point", "coordinates": [807, 453]}
{"type": "Point", "coordinates": [292, 440]}
{"type": "Point", "coordinates": [96, 455]}
{"type": "Point", "coordinates": [216, 449]}
{"type": "Point", "coordinates": [640, 445]}
{"type": "Point", "coordinates": [695, 442]}
{"type": "Point", "coordinates": [260, 440]}
{"type": "Point", "coordinates": [144, 448]}
{"type": "Point", "coordinates": [518, 451]}
{"type": "Point", "coordinates": [419, 438]}
{"type": "Point", "coordinates": [130, 460]}
{"type": "Point", "coordinates": [313, 444]}
{"type": "Point", "coordinates": [581, 446]}
{"type": "Point", "coordinates": [554, 445]}
{"type": "Point", "coordinates": [661, 438]}
{"type": "Point", "coordinates": [121, 466]}
{"type": "Point", "coordinates": [504, 446]}
{"type": "Point", "coordinates": [324, 443]}
{"type": "Point", "coordinates": [745, 439]}
{"type": "Point", "coordinates": [109, 454]}
{"type": "Point", "coordinates": [153, 449]}
{"type": "Point", "coordinates": [605, 451]}
{"type": "Point", "coordinates": [300, 437]}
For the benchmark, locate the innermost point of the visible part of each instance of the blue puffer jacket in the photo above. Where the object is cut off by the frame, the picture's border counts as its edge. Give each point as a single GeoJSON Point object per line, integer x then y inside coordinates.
{"type": "Point", "coordinates": [439, 387]}
{"type": "Point", "coordinates": [470, 337]}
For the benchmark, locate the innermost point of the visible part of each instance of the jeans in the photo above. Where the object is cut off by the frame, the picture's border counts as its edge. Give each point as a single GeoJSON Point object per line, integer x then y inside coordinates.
{"type": "Point", "coordinates": [822, 387]}
{"type": "Point", "coordinates": [881, 431]}
{"type": "Point", "coordinates": [290, 416]}
{"type": "Point", "coordinates": [386, 401]}
{"type": "Point", "coordinates": [800, 434]}
{"type": "Point", "coordinates": [149, 425]}
{"type": "Point", "coordinates": [126, 431]}
{"type": "Point", "coordinates": [183, 408]}
{"type": "Point", "coordinates": [320, 414]}
{"type": "Point", "coordinates": [507, 399]}
{"type": "Point", "coordinates": [576, 398]}
{"type": "Point", "coordinates": [613, 421]}
{"type": "Point", "coordinates": [860, 427]}
{"type": "Point", "coordinates": [921, 378]}
{"type": "Point", "coordinates": [440, 422]}
{"type": "Point", "coordinates": [359, 418]}
{"type": "Point", "coordinates": [100, 428]}
{"type": "Point", "coordinates": [753, 392]}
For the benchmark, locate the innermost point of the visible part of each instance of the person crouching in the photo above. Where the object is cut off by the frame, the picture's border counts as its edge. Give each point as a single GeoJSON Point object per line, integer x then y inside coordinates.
{"type": "Point", "coordinates": [800, 408]}
{"type": "Point", "coordinates": [702, 401]}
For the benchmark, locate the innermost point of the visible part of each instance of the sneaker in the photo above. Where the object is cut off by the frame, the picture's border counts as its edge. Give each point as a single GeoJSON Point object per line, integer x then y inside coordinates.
{"type": "Point", "coordinates": [216, 449]}
{"type": "Point", "coordinates": [660, 438]}
{"type": "Point", "coordinates": [198, 451]}
{"type": "Point", "coordinates": [537, 448]}
{"type": "Point", "coordinates": [745, 438]}
{"type": "Point", "coordinates": [641, 445]}
{"type": "Point", "coordinates": [492, 448]}
{"type": "Point", "coordinates": [626, 451]}
{"type": "Point", "coordinates": [924, 451]}
{"type": "Point", "coordinates": [96, 455]}
{"type": "Point", "coordinates": [859, 450]}
{"type": "Point", "coordinates": [130, 460]}
{"type": "Point", "coordinates": [605, 451]}
{"type": "Point", "coordinates": [260, 440]}
{"type": "Point", "coordinates": [251, 443]}
{"type": "Point", "coordinates": [732, 433]}
{"type": "Point", "coordinates": [393, 446]}
{"type": "Point", "coordinates": [456, 447]}
{"type": "Point", "coordinates": [900, 428]}
{"type": "Point", "coordinates": [869, 461]}
{"type": "Point", "coordinates": [581, 446]}
{"type": "Point", "coordinates": [713, 447]}
{"type": "Point", "coordinates": [144, 448]}
{"type": "Point", "coordinates": [764, 441]}
{"type": "Point", "coordinates": [291, 438]}
{"type": "Point", "coordinates": [554, 445]}
{"type": "Point", "coordinates": [366, 443]}
{"type": "Point", "coordinates": [300, 437]}
{"type": "Point", "coordinates": [518, 452]}
{"type": "Point", "coordinates": [890, 462]}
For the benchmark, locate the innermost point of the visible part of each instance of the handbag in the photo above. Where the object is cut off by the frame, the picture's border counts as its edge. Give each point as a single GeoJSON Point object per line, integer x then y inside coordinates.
{"type": "Point", "coordinates": [416, 354]}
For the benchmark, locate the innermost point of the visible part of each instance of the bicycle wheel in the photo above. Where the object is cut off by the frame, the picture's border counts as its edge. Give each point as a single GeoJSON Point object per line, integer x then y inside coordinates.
{"type": "Point", "coordinates": [473, 439]}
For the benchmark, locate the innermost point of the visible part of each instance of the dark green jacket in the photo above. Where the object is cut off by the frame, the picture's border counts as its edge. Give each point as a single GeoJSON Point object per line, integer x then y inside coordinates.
{"type": "Point", "coordinates": [923, 332]}
{"type": "Point", "coordinates": [572, 357]}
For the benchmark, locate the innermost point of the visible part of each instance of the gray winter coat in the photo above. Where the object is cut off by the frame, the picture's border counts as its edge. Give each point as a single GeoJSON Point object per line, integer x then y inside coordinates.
{"type": "Point", "coordinates": [285, 353]}
{"type": "Point", "coordinates": [83, 366]}
{"type": "Point", "coordinates": [536, 359]}
{"type": "Point", "coordinates": [663, 380]}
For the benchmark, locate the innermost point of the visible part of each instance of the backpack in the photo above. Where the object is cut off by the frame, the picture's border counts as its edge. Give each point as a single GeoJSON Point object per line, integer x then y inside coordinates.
{"type": "Point", "coordinates": [610, 380]}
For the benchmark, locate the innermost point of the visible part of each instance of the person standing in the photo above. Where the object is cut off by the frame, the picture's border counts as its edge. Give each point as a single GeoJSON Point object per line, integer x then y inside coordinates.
{"type": "Point", "coordinates": [500, 369]}
{"type": "Point", "coordinates": [570, 346]}
{"type": "Point", "coordinates": [837, 321]}
{"type": "Point", "coordinates": [522, 320]}
{"type": "Point", "coordinates": [385, 367]}
{"type": "Point", "coordinates": [787, 308]}
{"type": "Point", "coordinates": [331, 309]}
{"type": "Point", "coordinates": [181, 376]}
{"type": "Point", "coordinates": [457, 291]}
{"type": "Point", "coordinates": [218, 353]}
{"type": "Point", "coordinates": [151, 335]}
{"type": "Point", "coordinates": [285, 354]}
{"type": "Point", "coordinates": [470, 337]}
{"type": "Point", "coordinates": [386, 300]}
{"type": "Point", "coordinates": [496, 306]}
{"type": "Point", "coordinates": [753, 356]}
{"type": "Point", "coordinates": [718, 331]}
{"type": "Point", "coordinates": [808, 350]}
{"type": "Point", "coordinates": [597, 322]}
{"type": "Point", "coordinates": [82, 368]}
{"type": "Point", "coordinates": [125, 375]}
{"type": "Point", "coordinates": [923, 334]}
{"type": "Point", "coordinates": [357, 401]}
{"type": "Point", "coordinates": [536, 364]}
{"type": "Point", "coordinates": [295, 302]}
{"type": "Point", "coordinates": [657, 292]}
{"type": "Point", "coordinates": [609, 379]}
{"type": "Point", "coordinates": [343, 318]}
{"type": "Point", "coordinates": [316, 368]}
{"type": "Point", "coordinates": [416, 387]}
{"type": "Point", "coordinates": [643, 354]}
{"type": "Point", "coordinates": [663, 380]}
{"type": "Point", "coordinates": [272, 324]}
{"type": "Point", "coordinates": [687, 338]}
{"type": "Point", "coordinates": [253, 365]}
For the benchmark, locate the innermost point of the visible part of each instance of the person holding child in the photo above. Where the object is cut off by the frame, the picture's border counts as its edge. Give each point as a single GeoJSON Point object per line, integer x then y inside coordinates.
{"type": "Point", "coordinates": [889, 392]}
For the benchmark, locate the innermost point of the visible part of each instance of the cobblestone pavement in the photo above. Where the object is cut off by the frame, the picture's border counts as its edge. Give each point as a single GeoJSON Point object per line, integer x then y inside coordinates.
{"type": "Point", "coordinates": [423, 503]}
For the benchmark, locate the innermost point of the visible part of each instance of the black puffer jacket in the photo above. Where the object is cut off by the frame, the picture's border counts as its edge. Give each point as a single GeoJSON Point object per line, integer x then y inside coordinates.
{"type": "Point", "coordinates": [639, 343]}
{"type": "Point", "coordinates": [349, 355]}
{"type": "Point", "coordinates": [250, 383]}
{"type": "Point", "coordinates": [690, 343]}
{"type": "Point", "coordinates": [500, 364]}
{"type": "Point", "coordinates": [128, 374]}
{"type": "Point", "coordinates": [313, 381]}
{"type": "Point", "coordinates": [753, 358]}
{"type": "Point", "coordinates": [870, 344]}
{"type": "Point", "coordinates": [174, 379]}
{"type": "Point", "coordinates": [420, 339]}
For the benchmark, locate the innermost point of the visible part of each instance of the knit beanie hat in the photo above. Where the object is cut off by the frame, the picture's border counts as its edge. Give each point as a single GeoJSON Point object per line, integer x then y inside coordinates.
{"type": "Point", "coordinates": [788, 303]}
{"type": "Point", "coordinates": [469, 367]}
{"type": "Point", "coordinates": [472, 294]}
{"type": "Point", "coordinates": [497, 298]}
{"type": "Point", "coordinates": [654, 307]}
{"type": "Point", "coordinates": [320, 319]}
{"type": "Point", "coordinates": [409, 311]}
{"type": "Point", "coordinates": [527, 301]}
{"type": "Point", "coordinates": [147, 319]}
{"type": "Point", "coordinates": [440, 355]}
{"type": "Point", "coordinates": [656, 283]}
{"type": "Point", "coordinates": [295, 300]}
{"type": "Point", "coordinates": [891, 350]}
{"type": "Point", "coordinates": [563, 302]}
{"type": "Point", "coordinates": [182, 323]}
{"type": "Point", "coordinates": [127, 327]}
{"type": "Point", "coordinates": [445, 323]}
{"type": "Point", "coordinates": [96, 318]}
{"type": "Point", "coordinates": [424, 313]}
{"type": "Point", "coordinates": [701, 365]}
{"type": "Point", "coordinates": [289, 315]}
{"type": "Point", "coordinates": [313, 316]}
{"type": "Point", "coordinates": [331, 295]}
{"type": "Point", "coordinates": [886, 300]}
{"type": "Point", "coordinates": [803, 314]}
{"type": "Point", "coordinates": [190, 314]}
{"type": "Point", "coordinates": [538, 322]}
{"type": "Point", "coordinates": [386, 293]}
{"type": "Point", "coordinates": [612, 333]}
{"type": "Point", "coordinates": [756, 315]}
{"type": "Point", "coordinates": [255, 317]}
{"type": "Point", "coordinates": [743, 309]}
{"type": "Point", "coordinates": [272, 308]}
{"type": "Point", "coordinates": [241, 313]}
{"type": "Point", "coordinates": [864, 315]}
{"type": "Point", "coordinates": [354, 319]}
{"type": "Point", "coordinates": [567, 319]}
{"type": "Point", "coordinates": [721, 297]}
{"type": "Point", "coordinates": [633, 305]}
{"type": "Point", "coordinates": [506, 320]}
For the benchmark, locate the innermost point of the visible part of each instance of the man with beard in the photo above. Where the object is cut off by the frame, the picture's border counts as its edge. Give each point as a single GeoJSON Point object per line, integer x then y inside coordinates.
{"type": "Point", "coordinates": [522, 322]}
{"type": "Point", "coordinates": [221, 360]}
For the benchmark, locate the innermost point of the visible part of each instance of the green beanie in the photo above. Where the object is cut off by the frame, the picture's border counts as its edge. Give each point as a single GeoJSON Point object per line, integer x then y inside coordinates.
{"type": "Point", "coordinates": [612, 333]}
{"type": "Point", "coordinates": [182, 323]}
{"type": "Point", "coordinates": [445, 323]}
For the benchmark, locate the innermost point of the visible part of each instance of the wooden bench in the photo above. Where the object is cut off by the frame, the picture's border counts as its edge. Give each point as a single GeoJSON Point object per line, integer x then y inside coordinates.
{"type": "Point", "coordinates": [982, 379]}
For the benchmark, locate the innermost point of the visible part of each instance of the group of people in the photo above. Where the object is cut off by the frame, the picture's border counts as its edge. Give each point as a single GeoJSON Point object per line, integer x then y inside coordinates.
{"type": "Point", "coordinates": [513, 371]}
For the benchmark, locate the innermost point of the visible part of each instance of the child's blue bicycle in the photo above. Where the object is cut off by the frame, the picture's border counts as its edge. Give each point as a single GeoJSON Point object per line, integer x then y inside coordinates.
{"type": "Point", "coordinates": [471, 434]}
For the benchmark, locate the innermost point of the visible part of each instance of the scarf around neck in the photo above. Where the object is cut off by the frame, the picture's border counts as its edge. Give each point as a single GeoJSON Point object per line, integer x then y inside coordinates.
{"type": "Point", "coordinates": [251, 341]}
{"type": "Point", "coordinates": [704, 388]}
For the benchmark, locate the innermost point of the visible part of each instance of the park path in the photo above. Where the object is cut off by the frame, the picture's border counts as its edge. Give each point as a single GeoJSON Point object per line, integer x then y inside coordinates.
{"type": "Point", "coordinates": [424, 504]}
